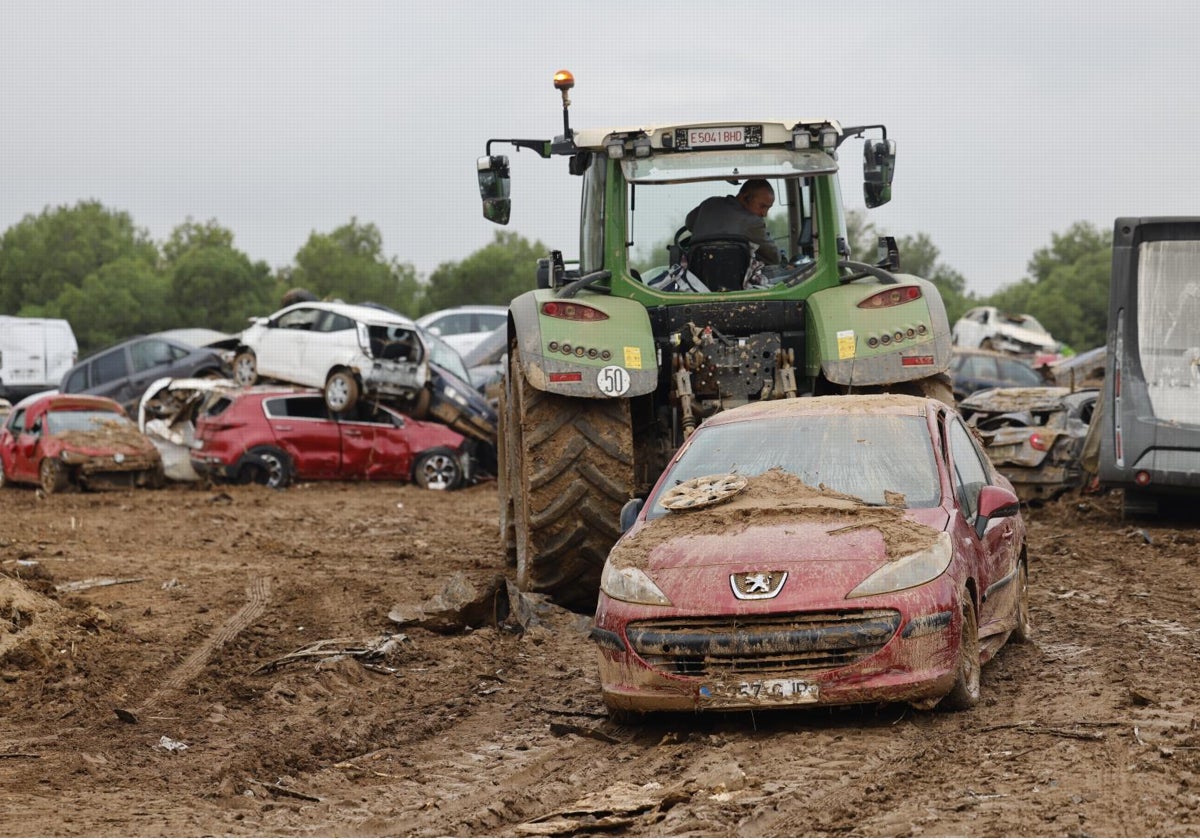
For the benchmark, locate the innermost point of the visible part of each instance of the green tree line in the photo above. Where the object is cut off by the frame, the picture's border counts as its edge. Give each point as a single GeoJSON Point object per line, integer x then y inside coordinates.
{"type": "Point", "coordinates": [93, 266]}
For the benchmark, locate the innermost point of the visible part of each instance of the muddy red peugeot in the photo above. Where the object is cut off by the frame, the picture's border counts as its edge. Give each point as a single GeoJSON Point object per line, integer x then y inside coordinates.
{"type": "Point", "coordinates": [832, 550]}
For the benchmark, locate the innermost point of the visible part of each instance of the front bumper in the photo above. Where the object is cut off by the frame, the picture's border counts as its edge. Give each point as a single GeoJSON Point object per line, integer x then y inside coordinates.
{"type": "Point", "coordinates": [901, 652]}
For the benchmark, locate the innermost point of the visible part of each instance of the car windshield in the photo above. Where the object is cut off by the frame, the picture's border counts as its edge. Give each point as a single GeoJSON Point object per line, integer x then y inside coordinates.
{"type": "Point", "coordinates": [82, 420]}
{"type": "Point", "coordinates": [862, 455]}
{"type": "Point", "coordinates": [445, 356]}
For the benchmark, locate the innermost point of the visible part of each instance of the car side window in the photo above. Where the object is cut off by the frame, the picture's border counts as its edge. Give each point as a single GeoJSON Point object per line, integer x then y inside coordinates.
{"type": "Point", "coordinates": [16, 423]}
{"type": "Point", "coordinates": [150, 354]}
{"type": "Point", "coordinates": [970, 475]}
{"type": "Point", "coordinates": [309, 408]}
{"type": "Point", "coordinates": [77, 381]}
{"type": "Point", "coordinates": [109, 367]}
{"type": "Point", "coordinates": [491, 321]}
{"type": "Point", "coordinates": [334, 322]}
{"type": "Point", "coordinates": [298, 319]}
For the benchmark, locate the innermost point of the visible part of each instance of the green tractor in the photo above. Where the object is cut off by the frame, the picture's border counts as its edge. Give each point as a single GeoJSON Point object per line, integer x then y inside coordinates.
{"type": "Point", "coordinates": [614, 359]}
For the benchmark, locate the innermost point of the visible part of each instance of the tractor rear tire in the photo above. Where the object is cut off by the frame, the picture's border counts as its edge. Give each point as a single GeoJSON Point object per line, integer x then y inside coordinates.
{"type": "Point", "coordinates": [569, 469]}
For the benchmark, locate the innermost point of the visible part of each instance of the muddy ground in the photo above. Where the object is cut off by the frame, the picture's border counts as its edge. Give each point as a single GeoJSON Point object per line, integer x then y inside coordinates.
{"type": "Point", "coordinates": [1089, 730]}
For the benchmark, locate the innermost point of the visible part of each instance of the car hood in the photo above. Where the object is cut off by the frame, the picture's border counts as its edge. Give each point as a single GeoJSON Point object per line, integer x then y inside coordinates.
{"type": "Point", "coordinates": [1026, 336]}
{"type": "Point", "coordinates": [825, 541]}
{"type": "Point", "coordinates": [107, 440]}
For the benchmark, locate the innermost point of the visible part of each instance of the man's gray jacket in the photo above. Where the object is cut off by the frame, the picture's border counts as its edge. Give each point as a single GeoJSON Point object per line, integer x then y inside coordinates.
{"type": "Point", "coordinates": [725, 216]}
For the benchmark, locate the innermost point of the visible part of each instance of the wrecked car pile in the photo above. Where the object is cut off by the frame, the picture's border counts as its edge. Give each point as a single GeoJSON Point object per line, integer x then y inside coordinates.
{"type": "Point", "coordinates": [1034, 436]}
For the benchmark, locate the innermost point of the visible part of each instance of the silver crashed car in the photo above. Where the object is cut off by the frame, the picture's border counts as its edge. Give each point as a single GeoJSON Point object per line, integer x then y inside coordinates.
{"type": "Point", "coordinates": [1034, 436]}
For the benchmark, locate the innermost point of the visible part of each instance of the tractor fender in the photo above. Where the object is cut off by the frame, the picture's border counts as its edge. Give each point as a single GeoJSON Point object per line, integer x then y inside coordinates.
{"type": "Point", "coordinates": [618, 355]}
{"type": "Point", "coordinates": [840, 334]}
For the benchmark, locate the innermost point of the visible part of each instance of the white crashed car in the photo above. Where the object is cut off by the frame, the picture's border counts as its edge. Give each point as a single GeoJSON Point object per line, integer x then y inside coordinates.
{"type": "Point", "coordinates": [347, 350]}
{"type": "Point", "coordinates": [167, 414]}
{"type": "Point", "coordinates": [992, 329]}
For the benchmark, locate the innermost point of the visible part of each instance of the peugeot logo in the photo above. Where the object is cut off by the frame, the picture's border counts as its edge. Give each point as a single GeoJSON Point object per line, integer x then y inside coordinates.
{"type": "Point", "coordinates": [757, 586]}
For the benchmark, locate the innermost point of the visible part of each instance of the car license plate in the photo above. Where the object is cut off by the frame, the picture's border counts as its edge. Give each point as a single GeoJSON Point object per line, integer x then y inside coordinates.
{"type": "Point", "coordinates": [762, 691]}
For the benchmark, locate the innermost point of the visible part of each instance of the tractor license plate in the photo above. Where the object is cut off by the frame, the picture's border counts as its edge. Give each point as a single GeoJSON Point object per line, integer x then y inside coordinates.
{"type": "Point", "coordinates": [724, 136]}
{"type": "Point", "coordinates": [763, 691]}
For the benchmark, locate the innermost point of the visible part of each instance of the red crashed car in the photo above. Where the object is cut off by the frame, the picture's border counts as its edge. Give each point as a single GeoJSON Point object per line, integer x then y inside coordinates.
{"type": "Point", "coordinates": [828, 550]}
{"type": "Point", "coordinates": [271, 435]}
{"type": "Point", "coordinates": [66, 440]}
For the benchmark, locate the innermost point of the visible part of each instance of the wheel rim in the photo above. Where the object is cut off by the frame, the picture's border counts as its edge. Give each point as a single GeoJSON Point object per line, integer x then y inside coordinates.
{"type": "Point", "coordinates": [274, 468]}
{"type": "Point", "coordinates": [48, 473]}
{"type": "Point", "coordinates": [439, 472]}
{"type": "Point", "coordinates": [337, 392]}
{"type": "Point", "coordinates": [244, 370]}
{"type": "Point", "coordinates": [968, 659]}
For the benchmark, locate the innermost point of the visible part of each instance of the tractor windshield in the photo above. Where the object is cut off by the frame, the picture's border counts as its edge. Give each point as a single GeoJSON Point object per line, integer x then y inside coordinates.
{"type": "Point", "coordinates": [662, 190]}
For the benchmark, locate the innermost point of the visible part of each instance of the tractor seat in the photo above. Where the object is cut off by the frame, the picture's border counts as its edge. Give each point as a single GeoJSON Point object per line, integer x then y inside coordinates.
{"type": "Point", "coordinates": [720, 263]}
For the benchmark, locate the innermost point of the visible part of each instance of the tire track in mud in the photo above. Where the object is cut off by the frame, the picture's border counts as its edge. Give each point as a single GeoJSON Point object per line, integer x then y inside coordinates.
{"type": "Point", "coordinates": [258, 594]}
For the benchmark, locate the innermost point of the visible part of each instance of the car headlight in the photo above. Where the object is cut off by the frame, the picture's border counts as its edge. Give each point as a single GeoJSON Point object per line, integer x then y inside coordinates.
{"type": "Point", "coordinates": [631, 585]}
{"type": "Point", "coordinates": [915, 569]}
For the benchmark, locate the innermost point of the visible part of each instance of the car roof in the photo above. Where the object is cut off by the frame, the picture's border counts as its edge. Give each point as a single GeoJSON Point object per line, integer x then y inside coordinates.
{"type": "Point", "coordinates": [58, 399]}
{"type": "Point", "coordinates": [995, 354]}
{"type": "Point", "coordinates": [470, 307]}
{"type": "Point", "coordinates": [819, 406]}
{"type": "Point", "coordinates": [366, 314]}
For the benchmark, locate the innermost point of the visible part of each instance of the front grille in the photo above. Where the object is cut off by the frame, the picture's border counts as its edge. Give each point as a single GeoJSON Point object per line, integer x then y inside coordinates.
{"type": "Point", "coordinates": [788, 643]}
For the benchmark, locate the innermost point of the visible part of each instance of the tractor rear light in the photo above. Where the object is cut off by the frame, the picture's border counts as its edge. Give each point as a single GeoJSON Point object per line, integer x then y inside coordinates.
{"type": "Point", "coordinates": [1039, 442]}
{"type": "Point", "coordinates": [891, 297]}
{"type": "Point", "coordinates": [1141, 478]}
{"type": "Point", "coordinates": [572, 311]}
{"type": "Point", "coordinates": [566, 377]}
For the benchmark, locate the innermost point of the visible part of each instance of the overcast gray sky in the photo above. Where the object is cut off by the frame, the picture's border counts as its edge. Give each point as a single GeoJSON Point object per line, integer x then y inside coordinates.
{"type": "Point", "coordinates": [1013, 120]}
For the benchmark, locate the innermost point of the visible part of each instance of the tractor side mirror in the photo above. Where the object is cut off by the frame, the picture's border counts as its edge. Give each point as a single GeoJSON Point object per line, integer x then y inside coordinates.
{"type": "Point", "coordinates": [493, 188]}
{"type": "Point", "coordinates": [879, 163]}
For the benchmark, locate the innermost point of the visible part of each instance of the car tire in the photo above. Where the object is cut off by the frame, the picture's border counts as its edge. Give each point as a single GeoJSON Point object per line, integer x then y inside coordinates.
{"type": "Point", "coordinates": [965, 693]}
{"type": "Point", "coordinates": [4, 482]}
{"type": "Point", "coordinates": [1023, 632]}
{"type": "Point", "coordinates": [341, 390]}
{"type": "Point", "coordinates": [438, 469]}
{"type": "Point", "coordinates": [52, 476]}
{"type": "Point", "coordinates": [245, 368]}
{"type": "Point", "coordinates": [267, 466]}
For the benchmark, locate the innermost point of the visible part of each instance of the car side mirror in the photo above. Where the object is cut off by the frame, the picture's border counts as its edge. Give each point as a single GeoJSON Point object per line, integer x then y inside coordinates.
{"type": "Point", "coordinates": [629, 513]}
{"type": "Point", "coordinates": [879, 164]}
{"type": "Point", "coordinates": [995, 503]}
{"type": "Point", "coordinates": [492, 171]}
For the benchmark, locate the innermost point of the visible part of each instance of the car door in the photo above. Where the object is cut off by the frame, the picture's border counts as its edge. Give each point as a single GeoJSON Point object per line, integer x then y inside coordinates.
{"type": "Point", "coordinates": [16, 466]}
{"type": "Point", "coordinates": [366, 450]}
{"type": "Point", "coordinates": [27, 451]}
{"type": "Point", "coordinates": [332, 341]}
{"type": "Point", "coordinates": [150, 359]}
{"type": "Point", "coordinates": [303, 429]}
{"type": "Point", "coordinates": [279, 349]}
{"type": "Point", "coordinates": [991, 554]}
{"type": "Point", "coordinates": [108, 376]}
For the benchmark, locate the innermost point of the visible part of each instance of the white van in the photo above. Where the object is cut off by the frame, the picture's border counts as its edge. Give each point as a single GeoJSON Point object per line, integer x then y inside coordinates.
{"type": "Point", "coordinates": [34, 354]}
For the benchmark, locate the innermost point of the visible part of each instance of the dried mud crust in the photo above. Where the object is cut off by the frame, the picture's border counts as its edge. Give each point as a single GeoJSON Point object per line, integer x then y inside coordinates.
{"type": "Point", "coordinates": [1089, 729]}
{"type": "Point", "coordinates": [774, 497]}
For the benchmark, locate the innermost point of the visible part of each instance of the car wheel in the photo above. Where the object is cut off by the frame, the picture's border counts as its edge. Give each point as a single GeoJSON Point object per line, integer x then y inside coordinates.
{"type": "Point", "coordinates": [52, 476]}
{"type": "Point", "coordinates": [245, 368]}
{"type": "Point", "coordinates": [438, 469]}
{"type": "Point", "coordinates": [3, 478]}
{"type": "Point", "coordinates": [1023, 632]}
{"type": "Point", "coordinates": [268, 466]}
{"type": "Point", "coordinates": [341, 391]}
{"type": "Point", "coordinates": [965, 693]}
